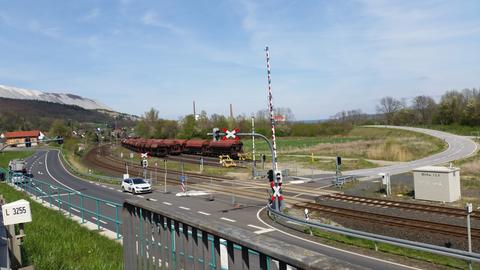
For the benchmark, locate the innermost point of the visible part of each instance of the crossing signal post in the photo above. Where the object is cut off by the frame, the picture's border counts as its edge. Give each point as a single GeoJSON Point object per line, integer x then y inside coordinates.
{"type": "Point", "coordinates": [216, 134]}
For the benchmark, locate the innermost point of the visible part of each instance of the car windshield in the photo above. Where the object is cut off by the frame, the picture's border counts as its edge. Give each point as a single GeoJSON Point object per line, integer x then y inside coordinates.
{"type": "Point", "coordinates": [138, 181]}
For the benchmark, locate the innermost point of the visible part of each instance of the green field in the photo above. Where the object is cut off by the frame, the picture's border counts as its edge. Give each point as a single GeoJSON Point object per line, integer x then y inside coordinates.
{"type": "Point", "coordinates": [5, 157]}
{"type": "Point", "coordinates": [361, 143]}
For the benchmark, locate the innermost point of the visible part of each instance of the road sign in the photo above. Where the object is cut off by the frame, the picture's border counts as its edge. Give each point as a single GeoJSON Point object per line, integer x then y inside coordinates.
{"type": "Point", "coordinates": [144, 163]}
{"type": "Point", "coordinates": [16, 212]}
{"type": "Point", "coordinates": [230, 134]}
{"type": "Point", "coordinates": [144, 155]}
{"type": "Point", "coordinates": [121, 154]}
{"type": "Point", "coordinates": [182, 183]}
{"type": "Point", "coordinates": [131, 155]}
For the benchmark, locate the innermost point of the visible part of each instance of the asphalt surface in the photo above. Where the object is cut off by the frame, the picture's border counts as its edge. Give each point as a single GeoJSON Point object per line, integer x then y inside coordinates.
{"type": "Point", "coordinates": [47, 166]}
{"type": "Point", "coordinates": [458, 147]}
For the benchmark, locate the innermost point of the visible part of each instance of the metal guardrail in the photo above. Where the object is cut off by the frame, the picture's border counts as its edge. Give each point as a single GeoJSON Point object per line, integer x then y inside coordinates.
{"type": "Point", "coordinates": [455, 253]}
{"type": "Point", "coordinates": [70, 200]}
{"type": "Point", "coordinates": [158, 237]}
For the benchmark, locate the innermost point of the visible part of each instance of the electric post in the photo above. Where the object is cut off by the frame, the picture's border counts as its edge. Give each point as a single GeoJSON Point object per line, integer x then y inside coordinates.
{"type": "Point", "coordinates": [254, 167]}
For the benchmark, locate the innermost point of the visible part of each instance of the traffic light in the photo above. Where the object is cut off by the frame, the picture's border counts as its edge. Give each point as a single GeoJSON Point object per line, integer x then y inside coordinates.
{"type": "Point", "coordinates": [59, 140]}
{"type": "Point", "coordinates": [339, 160]}
{"type": "Point", "coordinates": [28, 143]}
{"type": "Point", "coordinates": [278, 176]}
{"type": "Point", "coordinates": [270, 176]}
{"type": "Point", "coordinates": [216, 134]}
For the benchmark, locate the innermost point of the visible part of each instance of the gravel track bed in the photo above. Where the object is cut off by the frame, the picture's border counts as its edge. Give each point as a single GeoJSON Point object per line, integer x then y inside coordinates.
{"type": "Point", "coordinates": [399, 232]}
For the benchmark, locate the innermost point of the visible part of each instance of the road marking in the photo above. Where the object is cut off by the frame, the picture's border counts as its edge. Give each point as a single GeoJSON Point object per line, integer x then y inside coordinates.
{"type": "Point", "coordinates": [119, 190]}
{"type": "Point", "coordinates": [111, 188]}
{"type": "Point", "coordinates": [104, 186]}
{"type": "Point", "coordinates": [97, 184]}
{"type": "Point", "coordinates": [334, 248]}
{"type": "Point", "coordinates": [184, 208]}
{"type": "Point", "coordinates": [203, 213]}
{"type": "Point", "coordinates": [167, 203]}
{"type": "Point", "coordinates": [91, 182]}
{"type": "Point", "coordinates": [227, 219]}
{"type": "Point", "coordinates": [75, 209]}
{"type": "Point", "coordinates": [256, 227]}
{"type": "Point", "coordinates": [101, 221]}
{"type": "Point", "coordinates": [141, 196]}
{"type": "Point", "coordinates": [150, 199]}
{"type": "Point", "coordinates": [264, 231]}
{"type": "Point", "coordinates": [111, 205]}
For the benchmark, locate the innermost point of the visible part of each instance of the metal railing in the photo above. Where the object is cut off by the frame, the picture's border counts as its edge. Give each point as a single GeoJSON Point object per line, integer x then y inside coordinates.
{"type": "Point", "coordinates": [158, 237]}
{"type": "Point", "coordinates": [71, 201]}
{"type": "Point", "coordinates": [450, 252]}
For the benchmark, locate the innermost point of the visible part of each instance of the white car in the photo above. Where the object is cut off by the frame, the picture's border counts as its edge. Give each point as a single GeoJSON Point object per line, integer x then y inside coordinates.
{"type": "Point", "coordinates": [136, 185]}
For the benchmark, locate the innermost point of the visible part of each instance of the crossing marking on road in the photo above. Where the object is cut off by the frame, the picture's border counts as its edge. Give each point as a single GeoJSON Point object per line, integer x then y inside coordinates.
{"type": "Point", "coordinates": [227, 219]}
{"type": "Point", "coordinates": [184, 208]}
{"type": "Point", "coordinates": [167, 203]}
{"type": "Point", "coordinates": [203, 213]}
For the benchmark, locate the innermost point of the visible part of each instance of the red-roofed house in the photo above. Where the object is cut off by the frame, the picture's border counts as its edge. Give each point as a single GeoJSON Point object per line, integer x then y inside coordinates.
{"type": "Point", "coordinates": [21, 137]}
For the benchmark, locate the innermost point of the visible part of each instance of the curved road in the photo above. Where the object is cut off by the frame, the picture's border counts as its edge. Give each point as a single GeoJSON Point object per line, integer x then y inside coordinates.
{"type": "Point", "coordinates": [458, 147]}
{"type": "Point", "coordinates": [47, 166]}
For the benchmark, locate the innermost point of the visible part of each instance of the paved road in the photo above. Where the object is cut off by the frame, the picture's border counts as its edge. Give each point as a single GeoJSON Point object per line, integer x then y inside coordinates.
{"type": "Point", "coordinates": [458, 147]}
{"type": "Point", "coordinates": [46, 166]}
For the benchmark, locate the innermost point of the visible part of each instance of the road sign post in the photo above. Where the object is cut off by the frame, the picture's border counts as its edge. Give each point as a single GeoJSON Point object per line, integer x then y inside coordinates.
{"type": "Point", "coordinates": [17, 212]}
{"type": "Point", "coordinates": [469, 209]}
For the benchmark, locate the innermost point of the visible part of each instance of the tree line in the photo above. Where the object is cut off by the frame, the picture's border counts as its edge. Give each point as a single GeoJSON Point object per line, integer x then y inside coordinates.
{"type": "Point", "coordinates": [454, 107]}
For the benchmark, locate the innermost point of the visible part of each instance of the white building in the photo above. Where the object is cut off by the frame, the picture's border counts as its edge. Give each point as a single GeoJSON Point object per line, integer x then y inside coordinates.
{"type": "Point", "coordinates": [436, 183]}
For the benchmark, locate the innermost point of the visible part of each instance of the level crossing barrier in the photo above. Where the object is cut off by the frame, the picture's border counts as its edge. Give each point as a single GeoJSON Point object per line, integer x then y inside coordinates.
{"type": "Point", "coordinates": [158, 237]}
{"type": "Point", "coordinates": [71, 201]}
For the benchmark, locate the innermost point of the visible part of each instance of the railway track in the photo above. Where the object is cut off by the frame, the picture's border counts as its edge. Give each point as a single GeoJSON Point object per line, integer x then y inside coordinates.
{"type": "Point", "coordinates": [410, 206]}
{"type": "Point", "coordinates": [432, 227]}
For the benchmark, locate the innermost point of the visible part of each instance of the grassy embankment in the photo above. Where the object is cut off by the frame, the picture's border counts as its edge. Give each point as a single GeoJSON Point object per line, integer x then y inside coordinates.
{"type": "Point", "coordinates": [55, 242]}
{"type": "Point", "coordinates": [5, 157]}
{"type": "Point", "coordinates": [360, 148]}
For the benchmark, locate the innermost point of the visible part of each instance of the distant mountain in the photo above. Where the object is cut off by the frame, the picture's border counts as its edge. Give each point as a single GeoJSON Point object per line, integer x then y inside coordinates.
{"type": "Point", "coordinates": [60, 98]}
{"type": "Point", "coordinates": [22, 114]}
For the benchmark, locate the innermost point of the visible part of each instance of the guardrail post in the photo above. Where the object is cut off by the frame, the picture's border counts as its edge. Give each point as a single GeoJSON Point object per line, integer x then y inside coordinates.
{"type": "Point", "coordinates": [117, 222]}
{"type": "Point", "coordinates": [216, 252]}
{"type": "Point", "coordinates": [69, 205]}
{"type": "Point", "coordinates": [50, 194]}
{"type": "Point", "coordinates": [82, 210]}
{"type": "Point", "coordinates": [97, 203]}
{"type": "Point", "coordinates": [59, 199]}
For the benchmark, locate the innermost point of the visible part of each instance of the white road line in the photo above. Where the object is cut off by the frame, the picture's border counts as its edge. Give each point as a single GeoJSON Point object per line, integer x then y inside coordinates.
{"type": "Point", "coordinates": [141, 196]}
{"type": "Point", "coordinates": [150, 199]}
{"type": "Point", "coordinates": [119, 190]}
{"type": "Point", "coordinates": [48, 172]}
{"type": "Point", "coordinates": [264, 231]}
{"type": "Point", "coordinates": [334, 248]}
{"type": "Point", "coordinates": [256, 227]}
{"type": "Point", "coordinates": [203, 213]}
{"type": "Point", "coordinates": [97, 184]}
{"type": "Point", "coordinates": [111, 205]}
{"type": "Point", "coordinates": [75, 209]}
{"type": "Point", "coordinates": [167, 203]}
{"type": "Point", "coordinates": [184, 208]}
{"type": "Point", "coordinates": [227, 219]}
{"type": "Point", "coordinates": [101, 221]}
{"type": "Point", "coordinates": [111, 188]}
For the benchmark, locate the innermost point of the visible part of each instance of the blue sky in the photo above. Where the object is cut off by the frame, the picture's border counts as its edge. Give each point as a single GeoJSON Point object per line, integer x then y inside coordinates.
{"type": "Point", "coordinates": [326, 56]}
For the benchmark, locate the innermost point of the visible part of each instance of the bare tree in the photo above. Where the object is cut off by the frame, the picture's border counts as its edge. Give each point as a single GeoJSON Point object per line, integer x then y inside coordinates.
{"type": "Point", "coordinates": [388, 107]}
{"type": "Point", "coordinates": [424, 107]}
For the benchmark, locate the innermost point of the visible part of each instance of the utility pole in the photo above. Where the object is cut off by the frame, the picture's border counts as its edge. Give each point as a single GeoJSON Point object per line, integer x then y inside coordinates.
{"type": "Point", "coordinates": [165, 185]}
{"type": "Point", "coordinates": [469, 208]}
{"type": "Point", "coordinates": [254, 168]}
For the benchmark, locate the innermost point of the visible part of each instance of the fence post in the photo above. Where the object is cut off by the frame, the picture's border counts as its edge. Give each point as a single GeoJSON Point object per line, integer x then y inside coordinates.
{"type": "Point", "coordinates": [97, 213]}
{"type": "Point", "coordinates": [81, 207]}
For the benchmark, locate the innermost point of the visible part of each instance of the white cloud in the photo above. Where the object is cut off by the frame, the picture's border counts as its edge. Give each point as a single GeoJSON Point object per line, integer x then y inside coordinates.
{"type": "Point", "coordinates": [151, 18]}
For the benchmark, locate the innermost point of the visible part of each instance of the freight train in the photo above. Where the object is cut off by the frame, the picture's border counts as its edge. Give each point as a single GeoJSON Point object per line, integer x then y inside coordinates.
{"type": "Point", "coordinates": [164, 147]}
